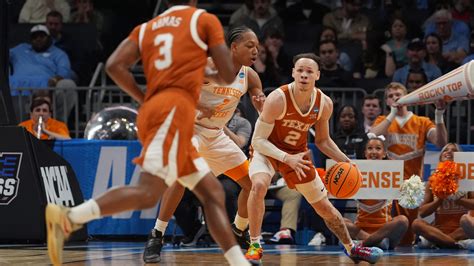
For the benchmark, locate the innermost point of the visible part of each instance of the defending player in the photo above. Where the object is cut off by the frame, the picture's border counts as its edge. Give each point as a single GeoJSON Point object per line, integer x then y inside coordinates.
{"type": "Point", "coordinates": [218, 103]}
{"type": "Point", "coordinates": [280, 143]}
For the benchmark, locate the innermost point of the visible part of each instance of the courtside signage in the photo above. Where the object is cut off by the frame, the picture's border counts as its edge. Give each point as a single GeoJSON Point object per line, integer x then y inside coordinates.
{"type": "Point", "coordinates": [381, 179]}
{"type": "Point", "coordinates": [465, 162]}
{"type": "Point", "coordinates": [10, 164]}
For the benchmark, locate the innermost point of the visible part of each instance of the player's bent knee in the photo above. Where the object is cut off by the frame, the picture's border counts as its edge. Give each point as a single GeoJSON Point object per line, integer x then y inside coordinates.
{"type": "Point", "coordinates": [148, 199]}
{"type": "Point", "coordinates": [259, 187]}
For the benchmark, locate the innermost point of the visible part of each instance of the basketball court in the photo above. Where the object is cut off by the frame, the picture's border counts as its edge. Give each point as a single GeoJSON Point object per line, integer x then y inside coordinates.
{"type": "Point", "coordinates": [130, 253]}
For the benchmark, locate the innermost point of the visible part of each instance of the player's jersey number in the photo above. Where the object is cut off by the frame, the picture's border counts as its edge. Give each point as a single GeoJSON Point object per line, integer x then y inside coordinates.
{"type": "Point", "coordinates": [292, 137]}
{"type": "Point", "coordinates": [164, 42]}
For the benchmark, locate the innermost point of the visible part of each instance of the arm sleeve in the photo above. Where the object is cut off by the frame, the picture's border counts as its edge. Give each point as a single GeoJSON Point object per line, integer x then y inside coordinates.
{"type": "Point", "coordinates": [261, 143]}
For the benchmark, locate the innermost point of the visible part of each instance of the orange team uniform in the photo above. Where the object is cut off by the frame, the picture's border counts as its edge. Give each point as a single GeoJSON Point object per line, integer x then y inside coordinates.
{"type": "Point", "coordinates": [407, 142]}
{"type": "Point", "coordinates": [373, 214]}
{"type": "Point", "coordinates": [447, 216]}
{"type": "Point", "coordinates": [173, 48]}
{"type": "Point", "coordinates": [52, 125]}
{"type": "Point", "coordinates": [290, 134]}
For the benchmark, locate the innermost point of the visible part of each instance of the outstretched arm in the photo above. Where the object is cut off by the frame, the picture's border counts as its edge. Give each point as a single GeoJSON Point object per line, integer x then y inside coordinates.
{"type": "Point", "coordinates": [118, 67]}
{"type": "Point", "coordinates": [255, 90]}
{"type": "Point", "coordinates": [439, 136]}
{"type": "Point", "coordinates": [323, 141]}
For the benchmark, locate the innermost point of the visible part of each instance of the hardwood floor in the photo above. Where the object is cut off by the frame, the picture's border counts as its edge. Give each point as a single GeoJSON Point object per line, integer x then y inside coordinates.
{"type": "Point", "coordinates": [130, 253]}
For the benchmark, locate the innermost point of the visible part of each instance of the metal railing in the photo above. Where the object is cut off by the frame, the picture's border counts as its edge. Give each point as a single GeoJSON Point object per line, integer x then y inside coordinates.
{"type": "Point", "coordinates": [90, 100]}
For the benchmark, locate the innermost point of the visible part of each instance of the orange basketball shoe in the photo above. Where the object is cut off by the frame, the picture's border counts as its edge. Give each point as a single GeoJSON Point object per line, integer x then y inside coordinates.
{"type": "Point", "coordinates": [59, 228]}
{"type": "Point", "coordinates": [254, 253]}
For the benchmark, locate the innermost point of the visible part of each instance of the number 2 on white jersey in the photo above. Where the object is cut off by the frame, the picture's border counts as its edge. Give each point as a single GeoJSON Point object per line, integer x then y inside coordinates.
{"type": "Point", "coordinates": [292, 137]}
{"type": "Point", "coordinates": [164, 42]}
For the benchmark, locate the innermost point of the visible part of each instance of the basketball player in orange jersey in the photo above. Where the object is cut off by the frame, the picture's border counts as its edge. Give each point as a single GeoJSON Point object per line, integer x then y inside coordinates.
{"type": "Point", "coordinates": [219, 151]}
{"type": "Point", "coordinates": [173, 48]}
{"type": "Point", "coordinates": [406, 135]}
{"type": "Point", "coordinates": [450, 213]}
{"type": "Point", "coordinates": [280, 144]}
{"type": "Point", "coordinates": [374, 224]}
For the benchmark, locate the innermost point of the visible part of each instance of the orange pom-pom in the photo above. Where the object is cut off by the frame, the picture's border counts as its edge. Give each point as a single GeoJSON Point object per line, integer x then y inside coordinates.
{"type": "Point", "coordinates": [445, 179]}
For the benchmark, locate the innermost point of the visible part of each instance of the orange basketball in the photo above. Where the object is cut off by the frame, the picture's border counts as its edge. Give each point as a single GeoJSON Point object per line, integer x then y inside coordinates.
{"type": "Point", "coordinates": [343, 180]}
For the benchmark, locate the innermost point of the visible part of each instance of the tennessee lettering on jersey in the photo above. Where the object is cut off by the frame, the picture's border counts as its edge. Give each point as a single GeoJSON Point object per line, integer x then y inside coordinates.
{"type": "Point", "coordinates": [223, 100]}
{"type": "Point", "coordinates": [409, 140]}
{"type": "Point", "coordinates": [406, 141]}
{"type": "Point", "coordinates": [173, 48]}
{"type": "Point", "coordinates": [290, 132]}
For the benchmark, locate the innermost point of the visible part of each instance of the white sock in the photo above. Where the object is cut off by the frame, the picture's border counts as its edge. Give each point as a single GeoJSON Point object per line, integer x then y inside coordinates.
{"type": "Point", "coordinates": [241, 223]}
{"type": "Point", "coordinates": [85, 212]}
{"type": "Point", "coordinates": [161, 226]}
{"type": "Point", "coordinates": [234, 256]}
{"type": "Point", "coordinates": [255, 239]}
{"type": "Point", "coordinates": [348, 247]}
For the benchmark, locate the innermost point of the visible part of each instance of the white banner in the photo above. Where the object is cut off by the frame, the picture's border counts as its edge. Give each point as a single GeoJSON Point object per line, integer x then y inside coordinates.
{"type": "Point", "coordinates": [466, 166]}
{"type": "Point", "coordinates": [381, 179]}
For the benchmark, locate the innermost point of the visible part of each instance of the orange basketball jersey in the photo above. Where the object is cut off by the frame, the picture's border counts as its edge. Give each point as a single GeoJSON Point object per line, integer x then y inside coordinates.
{"type": "Point", "coordinates": [173, 48]}
{"type": "Point", "coordinates": [290, 132]}
{"type": "Point", "coordinates": [407, 142]}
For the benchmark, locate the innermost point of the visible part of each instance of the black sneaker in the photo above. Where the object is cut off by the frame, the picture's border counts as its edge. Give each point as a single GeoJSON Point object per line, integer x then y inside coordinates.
{"type": "Point", "coordinates": [153, 247]}
{"type": "Point", "coordinates": [189, 241]}
{"type": "Point", "coordinates": [242, 237]}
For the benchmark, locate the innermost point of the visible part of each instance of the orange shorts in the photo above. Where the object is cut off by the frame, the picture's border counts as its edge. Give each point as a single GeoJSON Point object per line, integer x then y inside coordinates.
{"type": "Point", "coordinates": [165, 127]}
{"type": "Point", "coordinates": [289, 174]}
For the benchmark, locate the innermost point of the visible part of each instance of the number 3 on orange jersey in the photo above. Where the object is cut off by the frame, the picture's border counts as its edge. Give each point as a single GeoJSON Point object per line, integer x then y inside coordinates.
{"type": "Point", "coordinates": [164, 42]}
{"type": "Point", "coordinates": [292, 137]}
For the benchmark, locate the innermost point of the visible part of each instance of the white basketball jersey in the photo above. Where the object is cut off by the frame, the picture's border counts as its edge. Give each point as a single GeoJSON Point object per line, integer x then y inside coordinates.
{"type": "Point", "coordinates": [222, 99]}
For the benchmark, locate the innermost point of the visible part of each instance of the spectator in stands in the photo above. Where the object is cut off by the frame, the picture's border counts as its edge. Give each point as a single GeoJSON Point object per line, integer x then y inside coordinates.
{"type": "Point", "coordinates": [54, 23]}
{"type": "Point", "coordinates": [50, 127]}
{"type": "Point", "coordinates": [434, 51]}
{"type": "Point", "coordinates": [452, 225]}
{"type": "Point", "coordinates": [407, 135]}
{"type": "Point", "coordinates": [41, 64]}
{"type": "Point", "coordinates": [34, 11]}
{"type": "Point", "coordinates": [85, 13]}
{"type": "Point", "coordinates": [349, 23]}
{"type": "Point", "coordinates": [371, 109]}
{"type": "Point", "coordinates": [329, 33]}
{"type": "Point", "coordinates": [374, 224]}
{"type": "Point", "coordinates": [457, 26]}
{"type": "Point", "coordinates": [304, 11]}
{"type": "Point", "coordinates": [462, 11]}
{"type": "Point", "coordinates": [273, 41]}
{"type": "Point", "coordinates": [332, 75]}
{"type": "Point", "coordinates": [349, 135]}
{"type": "Point", "coordinates": [396, 47]}
{"type": "Point", "coordinates": [455, 45]}
{"type": "Point", "coordinates": [266, 69]}
{"type": "Point", "coordinates": [241, 13]}
{"type": "Point", "coordinates": [291, 201]}
{"type": "Point", "coordinates": [416, 79]}
{"type": "Point", "coordinates": [262, 17]}
{"type": "Point", "coordinates": [416, 53]}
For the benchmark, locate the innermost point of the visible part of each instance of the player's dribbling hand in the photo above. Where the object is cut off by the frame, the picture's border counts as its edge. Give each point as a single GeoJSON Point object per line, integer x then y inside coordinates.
{"type": "Point", "coordinates": [298, 163]}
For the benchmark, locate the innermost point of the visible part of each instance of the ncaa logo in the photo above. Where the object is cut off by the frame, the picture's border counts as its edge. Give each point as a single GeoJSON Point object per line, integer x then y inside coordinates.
{"type": "Point", "coordinates": [10, 163]}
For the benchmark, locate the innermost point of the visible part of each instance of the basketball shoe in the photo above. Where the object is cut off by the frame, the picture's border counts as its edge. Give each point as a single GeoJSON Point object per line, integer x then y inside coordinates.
{"type": "Point", "coordinates": [59, 227]}
{"type": "Point", "coordinates": [360, 253]}
{"type": "Point", "coordinates": [153, 246]}
{"type": "Point", "coordinates": [254, 253]}
{"type": "Point", "coordinates": [242, 237]}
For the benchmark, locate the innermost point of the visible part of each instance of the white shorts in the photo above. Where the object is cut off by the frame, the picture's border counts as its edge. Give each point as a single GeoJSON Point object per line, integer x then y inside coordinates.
{"type": "Point", "coordinates": [220, 152]}
{"type": "Point", "coordinates": [260, 164]}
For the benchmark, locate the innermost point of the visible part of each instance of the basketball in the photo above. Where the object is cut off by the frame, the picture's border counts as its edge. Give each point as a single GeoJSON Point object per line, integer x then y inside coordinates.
{"type": "Point", "coordinates": [343, 180]}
